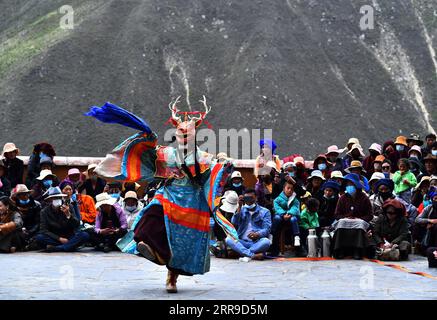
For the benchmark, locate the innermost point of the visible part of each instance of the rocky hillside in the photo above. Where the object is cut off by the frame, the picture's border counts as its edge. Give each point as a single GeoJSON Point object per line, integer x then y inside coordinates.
{"type": "Point", "coordinates": [303, 68]}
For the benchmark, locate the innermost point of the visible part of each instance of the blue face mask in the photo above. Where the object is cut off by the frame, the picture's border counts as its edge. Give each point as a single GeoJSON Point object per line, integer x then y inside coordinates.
{"type": "Point", "coordinates": [252, 206]}
{"type": "Point", "coordinates": [291, 174]}
{"type": "Point", "coordinates": [115, 195]}
{"type": "Point", "coordinates": [23, 202]}
{"type": "Point", "coordinates": [322, 166]}
{"type": "Point", "coordinates": [400, 147]}
{"type": "Point", "coordinates": [43, 155]}
{"type": "Point", "coordinates": [351, 190]}
{"type": "Point", "coordinates": [47, 183]}
{"type": "Point", "coordinates": [237, 185]}
{"type": "Point", "coordinates": [434, 152]}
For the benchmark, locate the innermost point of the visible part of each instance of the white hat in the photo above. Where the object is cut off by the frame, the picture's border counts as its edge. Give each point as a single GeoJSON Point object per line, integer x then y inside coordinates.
{"type": "Point", "coordinates": [20, 188]}
{"type": "Point", "coordinates": [9, 147]}
{"type": "Point", "coordinates": [73, 171]}
{"type": "Point", "coordinates": [353, 141]}
{"type": "Point", "coordinates": [424, 178]}
{"type": "Point", "coordinates": [415, 148]}
{"type": "Point", "coordinates": [44, 174]}
{"type": "Point", "coordinates": [336, 174]}
{"type": "Point", "coordinates": [433, 177]}
{"type": "Point", "coordinates": [104, 198]}
{"type": "Point", "coordinates": [358, 147]}
{"type": "Point", "coordinates": [54, 193]}
{"type": "Point", "coordinates": [376, 147]}
{"type": "Point", "coordinates": [288, 164]}
{"type": "Point", "coordinates": [236, 174]}
{"type": "Point", "coordinates": [131, 195]}
{"type": "Point", "coordinates": [229, 201]}
{"type": "Point", "coordinates": [334, 149]}
{"type": "Point", "coordinates": [377, 176]}
{"type": "Point", "coordinates": [316, 173]}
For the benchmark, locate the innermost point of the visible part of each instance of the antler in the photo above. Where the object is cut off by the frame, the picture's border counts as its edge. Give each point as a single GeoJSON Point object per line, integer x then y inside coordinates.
{"type": "Point", "coordinates": [203, 114]}
{"type": "Point", "coordinates": [174, 110]}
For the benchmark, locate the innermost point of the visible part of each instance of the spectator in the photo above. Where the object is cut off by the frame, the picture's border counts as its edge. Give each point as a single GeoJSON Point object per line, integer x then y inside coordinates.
{"type": "Point", "coordinates": [337, 176]}
{"type": "Point", "coordinates": [387, 169]}
{"type": "Point", "coordinates": [414, 140]}
{"type": "Point", "coordinates": [114, 190]}
{"type": "Point", "coordinates": [377, 164]}
{"type": "Point", "coordinates": [5, 184]}
{"type": "Point", "coordinates": [74, 177]}
{"type": "Point", "coordinates": [354, 154]}
{"type": "Point", "coordinates": [328, 203]}
{"type": "Point", "coordinates": [401, 150]}
{"type": "Point", "coordinates": [301, 174]}
{"type": "Point", "coordinates": [391, 228]}
{"type": "Point", "coordinates": [30, 213]}
{"type": "Point", "coordinates": [131, 207]}
{"type": "Point", "coordinates": [267, 154]}
{"type": "Point", "coordinates": [353, 212]}
{"type": "Point", "coordinates": [389, 152]}
{"type": "Point", "coordinates": [14, 166]}
{"type": "Point", "coordinates": [430, 162]}
{"type": "Point", "coordinates": [58, 225]}
{"type": "Point", "coordinates": [264, 188]}
{"type": "Point", "coordinates": [416, 167]}
{"type": "Point", "coordinates": [332, 156]}
{"type": "Point", "coordinates": [314, 185]}
{"type": "Point", "coordinates": [309, 219]}
{"type": "Point", "coordinates": [427, 224]}
{"type": "Point", "coordinates": [357, 168]}
{"type": "Point", "coordinates": [87, 208]}
{"type": "Point", "coordinates": [253, 224]}
{"type": "Point", "coordinates": [40, 151]}
{"type": "Point", "coordinates": [111, 223]}
{"type": "Point", "coordinates": [287, 212]}
{"type": "Point", "coordinates": [415, 152]}
{"type": "Point", "coordinates": [321, 164]}
{"type": "Point", "coordinates": [419, 193]}
{"type": "Point", "coordinates": [94, 185]}
{"type": "Point", "coordinates": [236, 183]}
{"type": "Point", "coordinates": [375, 150]}
{"type": "Point", "coordinates": [384, 192]}
{"type": "Point", "coordinates": [430, 140]}
{"type": "Point", "coordinates": [45, 181]}
{"type": "Point", "coordinates": [10, 226]}
{"type": "Point", "coordinates": [130, 186]}
{"type": "Point", "coordinates": [404, 180]}
{"type": "Point", "coordinates": [376, 176]}
{"type": "Point", "coordinates": [67, 187]}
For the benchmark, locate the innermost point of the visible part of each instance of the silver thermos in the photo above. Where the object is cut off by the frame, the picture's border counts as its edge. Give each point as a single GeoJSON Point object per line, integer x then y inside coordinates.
{"type": "Point", "coordinates": [326, 243]}
{"type": "Point", "coordinates": [312, 243]}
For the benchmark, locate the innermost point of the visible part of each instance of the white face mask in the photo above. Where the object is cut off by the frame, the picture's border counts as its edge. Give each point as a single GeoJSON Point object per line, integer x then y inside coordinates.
{"type": "Point", "coordinates": [57, 203]}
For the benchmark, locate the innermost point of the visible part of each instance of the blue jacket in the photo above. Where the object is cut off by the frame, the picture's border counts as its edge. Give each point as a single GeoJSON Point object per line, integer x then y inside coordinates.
{"type": "Point", "coordinates": [281, 205]}
{"type": "Point", "coordinates": [261, 221]}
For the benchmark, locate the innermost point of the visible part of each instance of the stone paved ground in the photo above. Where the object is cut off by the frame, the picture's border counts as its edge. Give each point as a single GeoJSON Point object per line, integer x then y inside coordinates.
{"type": "Point", "coordinates": [93, 275]}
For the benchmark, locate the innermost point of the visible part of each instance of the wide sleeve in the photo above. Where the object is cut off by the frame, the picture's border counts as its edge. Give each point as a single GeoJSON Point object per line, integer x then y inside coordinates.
{"type": "Point", "coordinates": [132, 160]}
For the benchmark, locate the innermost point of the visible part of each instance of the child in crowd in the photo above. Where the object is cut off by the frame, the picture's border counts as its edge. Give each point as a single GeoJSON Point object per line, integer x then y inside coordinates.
{"type": "Point", "coordinates": [309, 219]}
{"type": "Point", "coordinates": [404, 180]}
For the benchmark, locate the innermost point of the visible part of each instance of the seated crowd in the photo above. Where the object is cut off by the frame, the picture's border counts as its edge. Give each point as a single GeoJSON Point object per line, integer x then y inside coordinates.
{"type": "Point", "coordinates": [380, 204]}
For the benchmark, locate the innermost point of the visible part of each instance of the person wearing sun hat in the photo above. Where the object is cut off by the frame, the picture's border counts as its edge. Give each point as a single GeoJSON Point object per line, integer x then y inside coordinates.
{"type": "Point", "coordinates": [15, 166]}
{"type": "Point", "coordinates": [321, 163]}
{"type": "Point", "coordinates": [59, 226]}
{"type": "Point", "coordinates": [111, 223]}
{"type": "Point", "coordinates": [235, 183]}
{"type": "Point", "coordinates": [375, 150]}
{"type": "Point", "coordinates": [414, 140]}
{"type": "Point", "coordinates": [45, 180]}
{"type": "Point", "coordinates": [357, 167]}
{"type": "Point", "coordinates": [328, 203]}
{"type": "Point", "coordinates": [5, 184]}
{"type": "Point", "coordinates": [332, 154]}
{"type": "Point", "coordinates": [376, 176]}
{"type": "Point", "coordinates": [353, 214]}
{"type": "Point", "coordinates": [426, 223]}
{"type": "Point", "coordinates": [420, 192]}
{"type": "Point", "coordinates": [93, 185]}
{"type": "Point", "coordinates": [355, 153]}
{"type": "Point", "coordinates": [30, 212]}
{"type": "Point", "coordinates": [401, 150]}
{"type": "Point", "coordinates": [314, 184]}
{"type": "Point", "coordinates": [131, 207]}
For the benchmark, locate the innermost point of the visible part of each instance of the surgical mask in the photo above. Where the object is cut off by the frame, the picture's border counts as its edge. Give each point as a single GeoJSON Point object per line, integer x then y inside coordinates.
{"type": "Point", "coordinates": [237, 185]}
{"type": "Point", "coordinates": [57, 203]}
{"type": "Point", "coordinates": [291, 174]}
{"type": "Point", "coordinates": [400, 148]}
{"type": "Point", "coordinates": [130, 208]}
{"type": "Point", "coordinates": [115, 195]}
{"type": "Point", "coordinates": [414, 156]}
{"type": "Point", "coordinates": [322, 166]}
{"type": "Point", "coordinates": [434, 152]}
{"type": "Point", "coordinates": [328, 198]}
{"type": "Point", "coordinates": [250, 207]}
{"type": "Point", "coordinates": [47, 183]}
{"type": "Point", "coordinates": [23, 202]}
{"type": "Point", "coordinates": [351, 190]}
{"type": "Point", "coordinates": [43, 155]}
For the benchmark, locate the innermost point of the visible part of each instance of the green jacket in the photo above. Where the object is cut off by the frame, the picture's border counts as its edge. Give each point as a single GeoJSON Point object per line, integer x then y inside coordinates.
{"type": "Point", "coordinates": [398, 181]}
{"type": "Point", "coordinates": [309, 220]}
{"type": "Point", "coordinates": [282, 207]}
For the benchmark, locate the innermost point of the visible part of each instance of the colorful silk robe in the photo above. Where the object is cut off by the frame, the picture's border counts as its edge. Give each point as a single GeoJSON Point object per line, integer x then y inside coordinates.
{"type": "Point", "coordinates": [186, 206]}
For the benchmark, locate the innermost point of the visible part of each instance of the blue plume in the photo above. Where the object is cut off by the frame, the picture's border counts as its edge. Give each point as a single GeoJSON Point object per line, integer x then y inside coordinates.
{"type": "Point", "coordinates": [110, 113]}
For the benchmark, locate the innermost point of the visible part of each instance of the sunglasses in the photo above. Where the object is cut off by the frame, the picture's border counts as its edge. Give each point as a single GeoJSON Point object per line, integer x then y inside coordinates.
{"type": "Point", "coordinates": [385, 167]}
